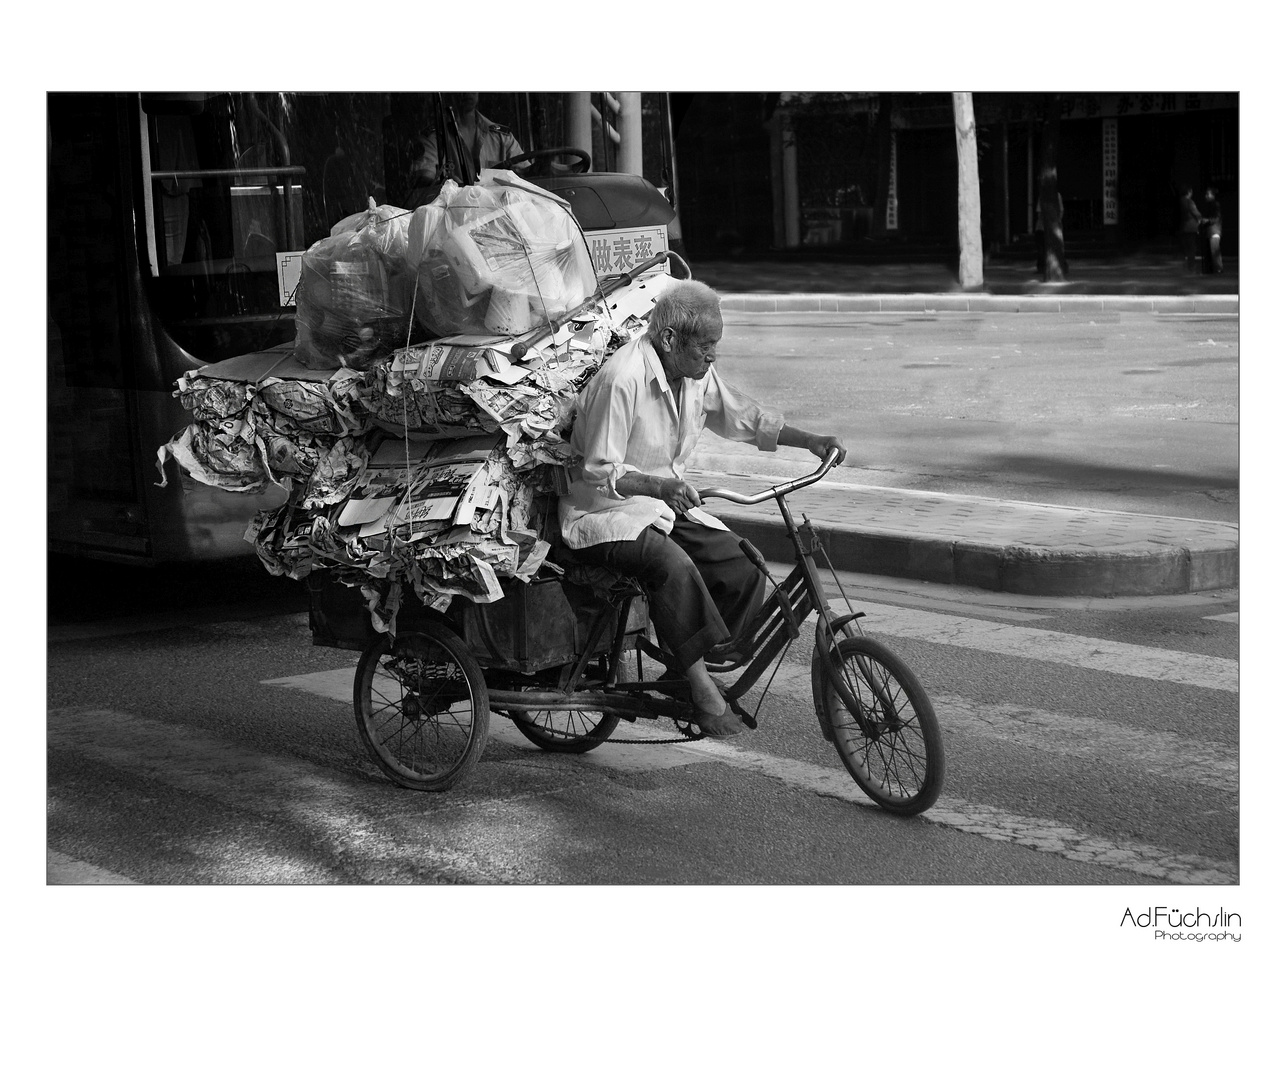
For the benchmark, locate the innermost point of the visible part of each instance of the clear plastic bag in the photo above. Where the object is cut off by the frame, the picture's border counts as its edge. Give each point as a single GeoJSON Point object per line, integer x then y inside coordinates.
{"type": "Point", "coordinates": [353, 304]}
{"type": "Point", "coordinates": [498, 257]}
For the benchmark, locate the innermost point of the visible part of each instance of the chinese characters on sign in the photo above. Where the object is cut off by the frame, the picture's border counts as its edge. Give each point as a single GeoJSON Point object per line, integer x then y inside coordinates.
{"type": "Point", "coordinates": [619, 251]}
{"type": "Point", "coordinates": [1109, 172]}
{"type": "Point", "coordinates": [891, 211]}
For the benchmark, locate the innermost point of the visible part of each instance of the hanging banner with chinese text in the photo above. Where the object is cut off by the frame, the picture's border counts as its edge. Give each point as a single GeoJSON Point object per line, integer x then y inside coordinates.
{"type": "Point", "coordinates": [1109, 172]}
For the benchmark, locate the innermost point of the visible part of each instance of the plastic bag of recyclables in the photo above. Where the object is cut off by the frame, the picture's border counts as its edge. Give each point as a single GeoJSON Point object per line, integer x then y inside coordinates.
{"type": "Point", "coordinates": [353, 302]}
{"type": "Point", "coordinates": [501, 256]}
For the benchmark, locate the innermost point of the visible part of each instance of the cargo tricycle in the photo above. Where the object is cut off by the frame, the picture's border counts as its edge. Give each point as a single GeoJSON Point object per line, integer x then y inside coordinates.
{"type": "Point", "coordinates": [563, 657]}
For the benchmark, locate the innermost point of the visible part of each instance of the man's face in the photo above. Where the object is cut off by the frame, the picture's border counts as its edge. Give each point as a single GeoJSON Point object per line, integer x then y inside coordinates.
{"type": "Point", "coordinates": [693, 358]}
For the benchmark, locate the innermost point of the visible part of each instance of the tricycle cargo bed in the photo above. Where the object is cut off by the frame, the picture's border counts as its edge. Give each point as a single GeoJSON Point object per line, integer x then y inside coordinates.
{"type": "Point", "coordinates": [535, 626]}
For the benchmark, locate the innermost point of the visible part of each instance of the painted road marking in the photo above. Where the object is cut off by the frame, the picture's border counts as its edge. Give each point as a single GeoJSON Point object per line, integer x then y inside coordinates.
{"type": "Point", "coordinates": [62, 869]}
{"type": "Point", "coordinates": [1157, 753]}
{"type": "Point", "coordinates": [991, 822]}
{"type": "Point", "coordinates": [994, 823]}
{"type": "Point", "coordinates": [337, 685]}
{"type": "Point", "coordinates": [1052, 647]}
{"type": "Point", "coordinates": [1210, 764]}
{"type": "Point", "coordinates": [1227, 616]}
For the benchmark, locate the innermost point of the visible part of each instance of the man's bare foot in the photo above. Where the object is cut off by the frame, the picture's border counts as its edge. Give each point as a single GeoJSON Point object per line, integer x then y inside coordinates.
{"type": "Point", "coordinates": [722, 725]}
{"type": "Point", "coordinates": [706, 694]}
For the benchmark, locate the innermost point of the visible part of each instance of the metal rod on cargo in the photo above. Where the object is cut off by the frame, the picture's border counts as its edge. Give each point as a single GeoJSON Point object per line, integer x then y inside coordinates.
{"type": "Point", "coordinates": [519, 348]}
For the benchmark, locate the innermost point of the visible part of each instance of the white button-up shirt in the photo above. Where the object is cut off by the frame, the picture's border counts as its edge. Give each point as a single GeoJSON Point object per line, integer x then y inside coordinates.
{"type": "Point", "coordinates": [627, 420]}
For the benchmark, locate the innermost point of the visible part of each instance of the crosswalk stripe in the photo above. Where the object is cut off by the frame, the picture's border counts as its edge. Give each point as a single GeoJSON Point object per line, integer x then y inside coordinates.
{"type": "Point", "coordinates": [62, 869]}
{"type": "Point", "coordinates": [1051, 646]}
{"type": "Point", "coordinates": [994, 823]}
{"type": "Point", "coordinates": [988, 821]}
{"type": "Point", "coordinates": [1158, 753]}
{"type": "Point", "coordinates": [1161, 754]}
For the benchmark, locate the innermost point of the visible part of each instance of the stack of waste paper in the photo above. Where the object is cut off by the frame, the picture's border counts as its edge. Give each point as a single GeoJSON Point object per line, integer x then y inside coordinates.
{"type": "Point", "coordinates": [420, 465]}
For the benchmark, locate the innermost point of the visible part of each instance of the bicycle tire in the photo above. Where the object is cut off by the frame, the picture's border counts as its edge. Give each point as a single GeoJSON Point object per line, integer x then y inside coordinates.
{"type": "Point", "coordinates": [901, 764]}
{"type": "Point", "coordinates": [565, 731]}
{"type": "Point", "coordinates": [422, 707]}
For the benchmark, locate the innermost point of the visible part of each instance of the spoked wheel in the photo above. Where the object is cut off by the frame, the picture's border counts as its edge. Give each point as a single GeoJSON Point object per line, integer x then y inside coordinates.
{"type": "Point", "coordinates": [897, 757]}
{"type": "Point", "coordinates": [421, 707]}
{"type": "Point", "coordinates": [565, 731]}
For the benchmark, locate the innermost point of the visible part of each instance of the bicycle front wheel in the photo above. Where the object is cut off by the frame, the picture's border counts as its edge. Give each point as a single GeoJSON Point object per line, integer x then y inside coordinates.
{"type": "Point", "coordinates": [422, 707]}
{"type": "Point", "coordinates": [894, 749]}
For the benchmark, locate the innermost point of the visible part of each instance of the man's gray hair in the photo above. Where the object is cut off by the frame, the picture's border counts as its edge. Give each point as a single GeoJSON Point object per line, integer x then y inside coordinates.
{"type": "Point", "coordinates": [683, 306]}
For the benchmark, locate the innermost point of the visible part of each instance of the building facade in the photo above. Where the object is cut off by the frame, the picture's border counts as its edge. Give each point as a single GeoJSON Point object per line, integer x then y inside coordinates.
{"type": "Point", "coordinates": [760, 171]}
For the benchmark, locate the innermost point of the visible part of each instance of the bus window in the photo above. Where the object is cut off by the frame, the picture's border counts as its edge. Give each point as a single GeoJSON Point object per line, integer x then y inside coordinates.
{"type": "Point", "coordinates": [236, 179]}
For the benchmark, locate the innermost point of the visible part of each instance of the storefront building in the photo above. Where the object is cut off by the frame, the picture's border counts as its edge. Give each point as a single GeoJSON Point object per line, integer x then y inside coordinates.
{"type": "Point", "coordinates": [848, 171]}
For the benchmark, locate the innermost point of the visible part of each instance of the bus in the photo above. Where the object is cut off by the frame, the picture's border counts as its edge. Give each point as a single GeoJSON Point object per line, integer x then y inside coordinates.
{"type": "Point", "coordinates": [175, 223]}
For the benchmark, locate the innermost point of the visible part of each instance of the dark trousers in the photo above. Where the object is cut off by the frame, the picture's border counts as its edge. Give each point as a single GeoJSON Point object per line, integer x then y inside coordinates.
{"type": "Point", "coordinates": [1189, 241]}
{"type": "Point", "coordinates": [701, 588]}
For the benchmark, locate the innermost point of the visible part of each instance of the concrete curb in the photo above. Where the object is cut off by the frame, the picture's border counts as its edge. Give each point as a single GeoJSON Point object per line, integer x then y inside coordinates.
{"type": "Point", "coordinates": [1152, 569]}
{"type": "Point", "coordinates": [934, 303]}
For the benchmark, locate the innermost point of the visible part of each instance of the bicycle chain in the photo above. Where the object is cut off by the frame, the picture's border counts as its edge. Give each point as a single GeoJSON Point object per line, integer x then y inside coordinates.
{"type": "Point", "coordinates": [684, 737]}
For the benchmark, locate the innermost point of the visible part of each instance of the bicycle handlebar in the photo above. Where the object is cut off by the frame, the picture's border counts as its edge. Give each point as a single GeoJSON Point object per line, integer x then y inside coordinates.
{"type": "Point", "coordinates": [772, 492]}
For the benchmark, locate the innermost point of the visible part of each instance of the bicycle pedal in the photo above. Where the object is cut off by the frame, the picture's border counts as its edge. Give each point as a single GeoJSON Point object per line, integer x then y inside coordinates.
{"type": "Point", "coordinates": [746, 718]}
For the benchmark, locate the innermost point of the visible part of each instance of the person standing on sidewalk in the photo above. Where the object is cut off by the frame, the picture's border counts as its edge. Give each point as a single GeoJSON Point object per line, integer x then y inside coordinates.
{"type": "Point", "coordinates": [1189, 228]}
{"type": "Point", "coordinates": [1038, 232]}
{"type": "Point", "coordinates": [630, 508]}
{"type": "Point", "coordinates": [1212, 222]}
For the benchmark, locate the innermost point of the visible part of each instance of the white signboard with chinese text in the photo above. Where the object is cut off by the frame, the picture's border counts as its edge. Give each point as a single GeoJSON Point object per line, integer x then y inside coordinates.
{"type": "Point", "coordinates": [620, 250]}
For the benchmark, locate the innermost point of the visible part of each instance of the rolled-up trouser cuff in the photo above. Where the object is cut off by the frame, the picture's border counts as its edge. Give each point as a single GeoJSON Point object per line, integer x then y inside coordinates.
{"type": "Point", "coordinates": [679, 573]}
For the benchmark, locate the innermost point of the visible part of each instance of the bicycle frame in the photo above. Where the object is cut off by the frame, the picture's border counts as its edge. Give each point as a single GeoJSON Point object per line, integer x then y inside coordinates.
{"type": "Point", "coordinates": [770, 631]}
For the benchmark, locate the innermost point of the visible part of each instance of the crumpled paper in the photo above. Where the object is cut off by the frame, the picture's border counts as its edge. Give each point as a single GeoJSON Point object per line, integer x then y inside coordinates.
{"type": "Point", "coordinates": [424, 474]}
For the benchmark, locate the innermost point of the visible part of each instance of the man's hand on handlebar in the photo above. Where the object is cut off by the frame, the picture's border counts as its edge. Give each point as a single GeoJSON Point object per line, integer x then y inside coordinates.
{"type": "Point", "coordinates": [821, 445]}
{"type": "Point", "coordinates": [679, 495]}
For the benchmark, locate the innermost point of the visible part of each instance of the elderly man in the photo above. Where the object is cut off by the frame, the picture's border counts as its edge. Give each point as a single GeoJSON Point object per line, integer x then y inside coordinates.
{"type": "Point", "coordinates": [631, 510]}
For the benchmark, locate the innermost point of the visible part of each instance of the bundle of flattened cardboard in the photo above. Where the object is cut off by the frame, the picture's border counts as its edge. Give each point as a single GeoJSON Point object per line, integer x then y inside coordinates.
{"type": "Point", "coordinates": [419, 466]}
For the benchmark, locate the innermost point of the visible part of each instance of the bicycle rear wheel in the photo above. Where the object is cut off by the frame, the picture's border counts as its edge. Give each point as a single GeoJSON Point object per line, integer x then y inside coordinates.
{"type": "Point", "coordinates": [422, 707]}
{"type": "Point", "coordinates": [894, 750]}
{"type": "Point", "coordinates": [565, 731]}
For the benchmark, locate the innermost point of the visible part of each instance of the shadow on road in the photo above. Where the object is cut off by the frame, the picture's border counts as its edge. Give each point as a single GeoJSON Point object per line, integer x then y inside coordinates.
{"type": "Point", "coordinates": [85, 590]}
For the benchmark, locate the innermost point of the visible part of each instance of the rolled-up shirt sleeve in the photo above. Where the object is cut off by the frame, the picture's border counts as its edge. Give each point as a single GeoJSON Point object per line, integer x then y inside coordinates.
{"type": "Point", "coordinates": [737, 416]}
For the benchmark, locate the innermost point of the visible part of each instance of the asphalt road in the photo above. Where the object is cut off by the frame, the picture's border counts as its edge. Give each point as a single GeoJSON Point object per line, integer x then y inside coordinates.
{"type": "Point", "coordinates": [1088, 743]}
{"type": "Point", "coordinates": [1115, 410]}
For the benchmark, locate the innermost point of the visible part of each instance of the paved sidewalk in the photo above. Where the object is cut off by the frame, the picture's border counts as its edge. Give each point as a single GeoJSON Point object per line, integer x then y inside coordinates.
{"type": "Point", "coordinates": [1139, 276]}
{"type": "Point", "coordinates": [928, 302]}
{"type": "Point", "coordinates": [1005, 546]}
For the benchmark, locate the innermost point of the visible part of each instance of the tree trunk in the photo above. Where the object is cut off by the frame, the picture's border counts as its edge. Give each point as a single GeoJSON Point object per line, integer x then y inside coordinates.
{"type": "Point", "coordinates": [968, 202]}
{"type": "Point", "coordinates": [1051, 210]}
